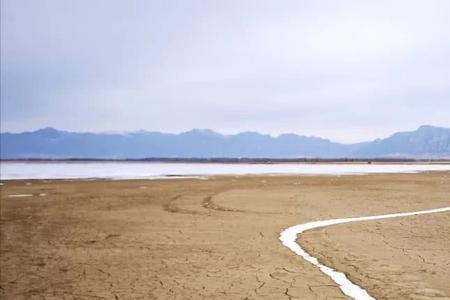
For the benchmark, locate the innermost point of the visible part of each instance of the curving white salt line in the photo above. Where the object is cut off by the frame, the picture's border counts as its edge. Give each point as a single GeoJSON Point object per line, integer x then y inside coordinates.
{"type": "Point", "coordinates": [20, 195]}
{"type": "Point", "coordinates": [289, 236]}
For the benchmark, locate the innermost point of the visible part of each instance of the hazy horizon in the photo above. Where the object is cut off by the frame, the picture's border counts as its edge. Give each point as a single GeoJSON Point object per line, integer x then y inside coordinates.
{"type": "Point", "coordinates": [220, 132]}
{"type": "Point", "coordinates": [347, 71]}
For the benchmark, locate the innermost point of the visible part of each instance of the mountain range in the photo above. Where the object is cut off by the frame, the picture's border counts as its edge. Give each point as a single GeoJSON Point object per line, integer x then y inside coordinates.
{"type": "Point", "coordinates": [49, 143]}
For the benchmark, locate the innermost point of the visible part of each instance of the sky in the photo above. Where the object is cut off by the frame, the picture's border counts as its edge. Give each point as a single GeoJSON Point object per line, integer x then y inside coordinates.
{"type": "Point", "coordinates": [349, 70]}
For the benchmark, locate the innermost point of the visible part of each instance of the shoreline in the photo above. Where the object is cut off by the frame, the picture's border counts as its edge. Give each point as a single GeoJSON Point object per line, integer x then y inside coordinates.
{"type": "Point", "coordinates": [369, 160]}
{"type": "Point", "coordinates": [154, 170]}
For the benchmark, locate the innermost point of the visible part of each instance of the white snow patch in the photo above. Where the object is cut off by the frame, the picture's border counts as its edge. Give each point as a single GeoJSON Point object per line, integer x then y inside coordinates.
{"type": "Point", "coordinates": [20, 195]}
{"type": "Point", "coordinates": [289, 236]}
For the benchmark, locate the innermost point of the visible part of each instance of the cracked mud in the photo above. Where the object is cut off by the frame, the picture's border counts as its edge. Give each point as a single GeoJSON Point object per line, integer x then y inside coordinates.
{"type": "Point", "coordinates": [218, 238]}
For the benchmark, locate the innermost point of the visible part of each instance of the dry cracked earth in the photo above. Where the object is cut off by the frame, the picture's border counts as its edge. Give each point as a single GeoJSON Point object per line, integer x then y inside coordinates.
{"type": "Point", "coordinates": [218, 238]}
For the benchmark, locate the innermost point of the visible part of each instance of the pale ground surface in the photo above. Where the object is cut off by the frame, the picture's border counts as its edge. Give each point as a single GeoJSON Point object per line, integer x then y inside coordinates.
{"type": "Point", "coordinates": [218, 238]}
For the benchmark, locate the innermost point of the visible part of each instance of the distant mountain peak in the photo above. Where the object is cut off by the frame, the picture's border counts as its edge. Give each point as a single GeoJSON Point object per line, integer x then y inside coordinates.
{"type": "Point", "coordinates": [48, 132]}
{"type": "Point", "coordinates": [204, 132]}
{"type": "Point", "coordinates": [429, 128]}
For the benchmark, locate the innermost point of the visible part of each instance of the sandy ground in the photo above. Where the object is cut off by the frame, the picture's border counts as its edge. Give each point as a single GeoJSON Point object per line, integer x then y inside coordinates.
{"type": "Point", "coordinates": [218, 238]}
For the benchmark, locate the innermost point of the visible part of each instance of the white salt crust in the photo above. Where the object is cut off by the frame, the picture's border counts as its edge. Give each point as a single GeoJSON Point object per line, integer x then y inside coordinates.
{"type": "Point", "coordinates": [290, 235]}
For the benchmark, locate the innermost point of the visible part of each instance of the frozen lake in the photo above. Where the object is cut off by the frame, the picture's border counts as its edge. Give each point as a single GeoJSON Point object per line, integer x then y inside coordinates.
{"type": "Point", "coordinates": [136, 170]}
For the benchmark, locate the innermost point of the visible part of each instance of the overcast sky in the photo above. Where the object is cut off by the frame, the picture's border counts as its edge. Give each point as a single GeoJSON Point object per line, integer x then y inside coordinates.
{"type": "Point", "coordinates": [345, 70]}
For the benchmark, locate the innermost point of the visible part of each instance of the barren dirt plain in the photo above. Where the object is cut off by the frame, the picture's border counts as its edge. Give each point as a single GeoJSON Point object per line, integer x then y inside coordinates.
{"type": "Point", "coordinates": [218, 238]}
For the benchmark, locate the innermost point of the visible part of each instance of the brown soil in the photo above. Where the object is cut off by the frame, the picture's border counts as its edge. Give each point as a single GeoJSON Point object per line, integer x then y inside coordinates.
{"type": "Point", "coordinates": [218, 238]}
